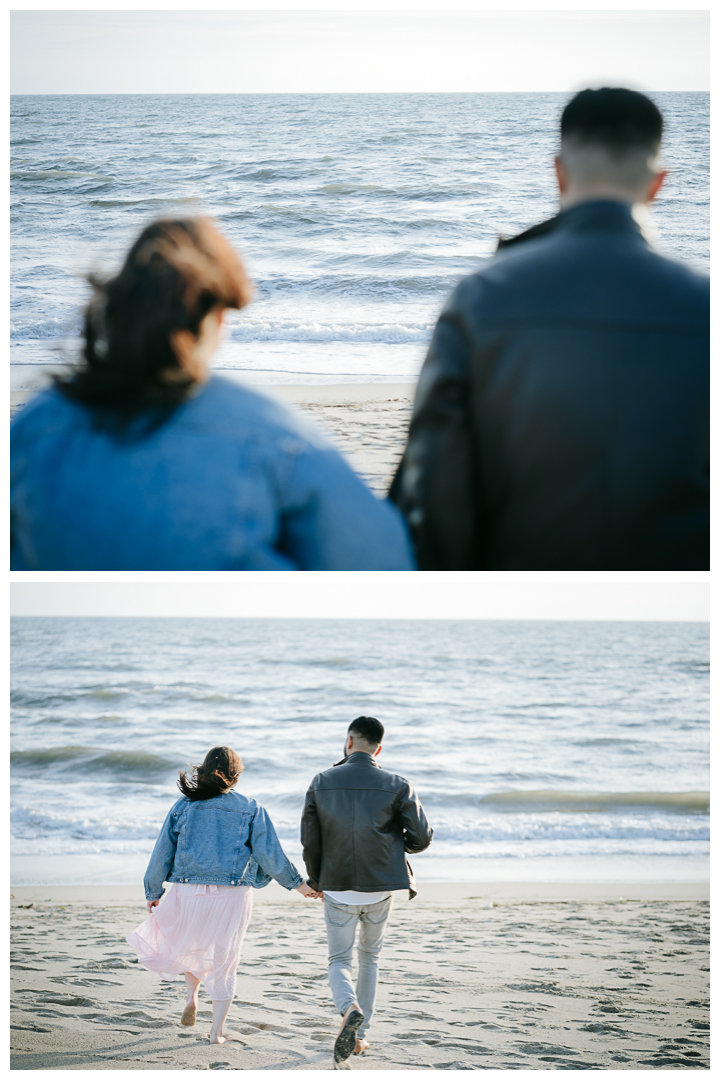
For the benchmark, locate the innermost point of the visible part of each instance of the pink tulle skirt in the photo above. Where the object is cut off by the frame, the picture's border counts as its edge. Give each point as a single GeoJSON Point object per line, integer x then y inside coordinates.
{"type": "Point", "coordinates": [196, 928]}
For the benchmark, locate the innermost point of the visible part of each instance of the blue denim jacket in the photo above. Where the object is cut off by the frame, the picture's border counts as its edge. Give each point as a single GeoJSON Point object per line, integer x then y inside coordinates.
{"type": "Point", "coordinates": [232, 481]}
{"type": "Point", "coordinates": [228, 840]}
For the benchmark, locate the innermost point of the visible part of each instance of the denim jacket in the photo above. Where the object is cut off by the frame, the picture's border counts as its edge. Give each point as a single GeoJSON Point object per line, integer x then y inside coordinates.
{"type": "Point", "coordinates": [231, 481]}
{"type": "Point", "coordinates": [228, 840]}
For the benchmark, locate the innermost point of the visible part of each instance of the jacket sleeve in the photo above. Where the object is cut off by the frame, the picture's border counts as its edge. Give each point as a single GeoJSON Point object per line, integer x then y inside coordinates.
{"type": "Point", "coordinates": [268, 853]}
{"type": "Point", "coordinates": [416, 830]}
{"type": "Point", "coordinates": [331, 521]}
{"type": "Point", "coordinates": [311, 836]}
{"type": "Point", "coordinates": [162, 859]}
{"type": "Point", "coordinates": [435, 485]}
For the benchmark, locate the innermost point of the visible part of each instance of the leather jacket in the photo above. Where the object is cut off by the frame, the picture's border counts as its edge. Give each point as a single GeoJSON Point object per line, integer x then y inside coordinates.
{"type": "Point", "coordinates": [227, 840]}
{"type": "Point", "coordinates": [561, 419]}
{"type": "Point", "coordinates": [357, 824]}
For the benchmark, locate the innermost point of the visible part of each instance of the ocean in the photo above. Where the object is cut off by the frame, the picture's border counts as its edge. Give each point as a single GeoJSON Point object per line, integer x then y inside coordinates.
{"type": "Point", "coordinates": [356, 214]}
{"type": "Point", "coordinates": [541, 751]}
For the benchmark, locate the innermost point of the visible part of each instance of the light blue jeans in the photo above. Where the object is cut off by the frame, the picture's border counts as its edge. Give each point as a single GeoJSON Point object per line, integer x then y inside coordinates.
{"type": "Point", "coordinates": [341, 921]}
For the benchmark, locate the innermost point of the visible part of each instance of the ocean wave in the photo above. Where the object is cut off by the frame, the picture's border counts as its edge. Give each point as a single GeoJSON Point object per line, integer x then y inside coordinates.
{"type": "Point", "coordinates": [573, 828]}
{"type": "Point", "coordinates": [157, 201]}
{"type": "Point", "coordinates": [59, 720]}
{"type": "Point", "coordinates": [424, 193]}
{"type": "Point", "coordinates": [90, 831]}
{"type": "Point", "coordinates": [573, 802]}
{"type": "Point", "coordinates": [290, 330]}
{"type": "Point", "coordinates": [28, 699]}
{"type": "Point", "coordinates": [134, 827]}
{"type": "Point", "coordinates": [57, 174]}
{"type": "Point", "coordinates": [54, 327]}
{"type": "Point", "coordinates": [86, 761]}
{"type": "Point", "coordinates": [248, 330]}
{"type": "Point", "coordinates": [580, 847]}
{"type": "Point", "coordinates": [379, 282]}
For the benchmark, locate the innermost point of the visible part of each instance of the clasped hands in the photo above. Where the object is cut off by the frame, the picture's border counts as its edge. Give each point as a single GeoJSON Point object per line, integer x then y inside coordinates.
{"type": "Point", "coordinates": [308, 892]}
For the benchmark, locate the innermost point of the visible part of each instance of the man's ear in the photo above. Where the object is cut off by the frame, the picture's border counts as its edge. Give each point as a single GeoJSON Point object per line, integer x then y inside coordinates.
{"type": "Point", "coordinates": [655, 184]}
{"type": "Point", "coordinates": [562, 174]}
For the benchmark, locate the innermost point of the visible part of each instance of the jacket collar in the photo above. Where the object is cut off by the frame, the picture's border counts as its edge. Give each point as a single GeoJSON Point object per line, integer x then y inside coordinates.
{"type": "Point", "coordinates": [358, 757]}
{"type": "Point", "coordinates": [593, 215]}
{"type": "Point", "coordinates": [599, 215]}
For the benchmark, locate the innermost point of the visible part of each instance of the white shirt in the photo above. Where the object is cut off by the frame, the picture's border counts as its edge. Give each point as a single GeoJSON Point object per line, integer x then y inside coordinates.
{"type": "Point", "coordinates": [349, 896]}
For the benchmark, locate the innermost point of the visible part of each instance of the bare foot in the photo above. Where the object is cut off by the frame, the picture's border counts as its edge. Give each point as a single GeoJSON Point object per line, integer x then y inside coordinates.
{"type": "Point", "coordinates": [188, 1017]}
{"type": "Point", "coordinates": [217, 1038]}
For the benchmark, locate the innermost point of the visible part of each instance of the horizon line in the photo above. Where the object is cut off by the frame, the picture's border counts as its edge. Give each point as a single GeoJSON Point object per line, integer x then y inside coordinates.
{"type": "Point", "coordinates": [363, 618]}
{"type": "Point", "coordinates": [306, 93]}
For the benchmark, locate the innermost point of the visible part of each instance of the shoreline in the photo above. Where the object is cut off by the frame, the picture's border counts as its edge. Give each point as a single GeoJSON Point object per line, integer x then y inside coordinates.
{"type": "Point", "coordinates": [597, 875]}
{"type": "Point", "coordinates": [299, 393]}
{"type": "Point", "coordinates": [452, 893]}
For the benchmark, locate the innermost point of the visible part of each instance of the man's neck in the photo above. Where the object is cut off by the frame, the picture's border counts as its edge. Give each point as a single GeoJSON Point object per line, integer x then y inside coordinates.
{"type": "Point", "coordinates": [575, 198]}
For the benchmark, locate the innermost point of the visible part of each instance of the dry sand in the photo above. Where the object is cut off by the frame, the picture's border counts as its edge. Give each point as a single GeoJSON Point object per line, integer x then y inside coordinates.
{"type": "Point", "coordinates": [368, 422]}
{"type": "Point", "coordinates": [472, 977]}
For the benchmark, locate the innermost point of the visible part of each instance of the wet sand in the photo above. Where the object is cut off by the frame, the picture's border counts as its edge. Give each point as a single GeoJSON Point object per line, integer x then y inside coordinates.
{"type": "Point", "coordinates": [367, 422]}
{"type": "Point", "coordinates": [472, 977]}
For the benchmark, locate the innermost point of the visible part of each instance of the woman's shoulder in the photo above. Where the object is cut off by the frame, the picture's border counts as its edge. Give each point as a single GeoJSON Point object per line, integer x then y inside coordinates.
{"type": "Point", "coordinates": [235, 800]}
{"type": "Point", "coordinates": [45, 408]}
{"type": "Point", "coordinates": [231, 801]}
{"type": "Point", "coordinates": [238, 410]}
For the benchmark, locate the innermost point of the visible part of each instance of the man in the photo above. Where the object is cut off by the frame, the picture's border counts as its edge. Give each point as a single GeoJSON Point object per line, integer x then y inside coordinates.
{"type": "Point", "coordinates": [561, 417]}
{"type": "Point", "coordinates": [357, 824]}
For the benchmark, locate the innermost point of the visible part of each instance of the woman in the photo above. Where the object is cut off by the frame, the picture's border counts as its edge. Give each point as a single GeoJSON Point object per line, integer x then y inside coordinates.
{"type": "Point", "coordinates": [141, 460]}
{"type": "Point", "coordinates": [215, 847]}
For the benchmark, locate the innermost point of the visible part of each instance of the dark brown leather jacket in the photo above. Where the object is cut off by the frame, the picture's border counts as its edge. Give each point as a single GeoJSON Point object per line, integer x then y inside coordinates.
{"type": "Point", "coordinates": [561, 420]}
{"type": "Point", "coordinates": [357, 824]}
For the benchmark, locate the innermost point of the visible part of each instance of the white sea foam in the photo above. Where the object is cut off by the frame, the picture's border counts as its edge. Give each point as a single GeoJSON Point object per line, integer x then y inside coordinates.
{"type": "Point", "coordinates": [287, 330]}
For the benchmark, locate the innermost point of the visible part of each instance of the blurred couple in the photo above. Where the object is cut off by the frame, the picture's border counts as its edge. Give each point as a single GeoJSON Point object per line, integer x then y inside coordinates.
{"type": "Point", "coordinates": [561, 419]}
{"type": "Point", "coordinates": [215, 846]}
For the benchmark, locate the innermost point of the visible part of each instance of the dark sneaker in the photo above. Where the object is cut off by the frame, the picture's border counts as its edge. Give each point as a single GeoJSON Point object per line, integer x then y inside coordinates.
{"type": "Point", "coordinates": [345, 1042]}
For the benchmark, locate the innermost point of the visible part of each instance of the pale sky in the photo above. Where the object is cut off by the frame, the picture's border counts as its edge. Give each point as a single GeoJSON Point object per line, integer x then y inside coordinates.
{"type": "Point", "coordinates": [294, 51]}
{"type": "Point", "coordinates": [521, 595]}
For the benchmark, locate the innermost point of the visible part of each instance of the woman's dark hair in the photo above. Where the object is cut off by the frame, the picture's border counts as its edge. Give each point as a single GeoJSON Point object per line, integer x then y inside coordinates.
{"type": "Point", "coordinates": [219, 772]}
{"type": "Point", "coordinates": [175, 273]}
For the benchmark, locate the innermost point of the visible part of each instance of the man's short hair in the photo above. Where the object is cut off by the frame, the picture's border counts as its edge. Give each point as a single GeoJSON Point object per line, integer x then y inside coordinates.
{"type": "Point", "coordinates": [616, 119]}
{"type": "Point", "coordinates": [368, 729]}
{"type": "Point", "coordinates": [612, 136]}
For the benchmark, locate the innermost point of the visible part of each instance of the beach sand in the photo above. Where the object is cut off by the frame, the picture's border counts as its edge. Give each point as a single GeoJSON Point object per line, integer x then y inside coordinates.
{"type": "Point", "coordinates": [367, 422]}
{"type": "Point", "coordinates": [516, 976]}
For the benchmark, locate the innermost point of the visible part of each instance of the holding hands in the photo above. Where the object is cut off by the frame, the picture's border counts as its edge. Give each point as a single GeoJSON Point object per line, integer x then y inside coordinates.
{"type": "Point", "coordinates": [308, 892]}
{"type": "Point", "coordinates": [305, 890]}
